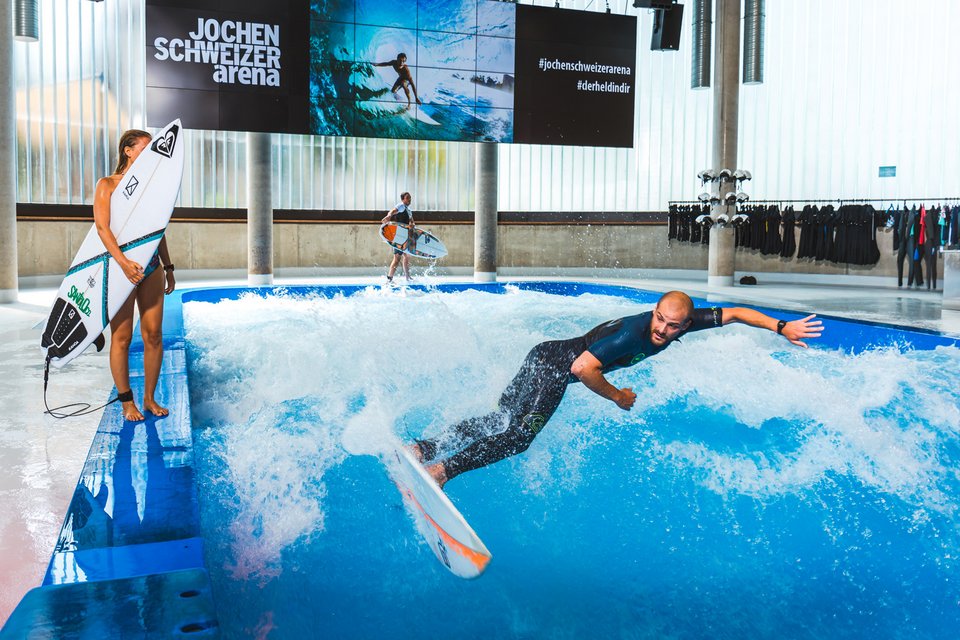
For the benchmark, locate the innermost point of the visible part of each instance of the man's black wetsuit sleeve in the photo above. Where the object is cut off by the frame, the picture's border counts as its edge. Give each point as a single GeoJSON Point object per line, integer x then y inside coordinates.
{"type": "Point", "coordinates": [706, 318]}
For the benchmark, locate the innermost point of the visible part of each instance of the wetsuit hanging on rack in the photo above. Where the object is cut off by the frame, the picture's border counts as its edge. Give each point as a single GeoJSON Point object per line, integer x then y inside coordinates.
{"type": "Point", "coordinates": [931, 241]}
{"type": "Point", "coordinates": [789, 245]}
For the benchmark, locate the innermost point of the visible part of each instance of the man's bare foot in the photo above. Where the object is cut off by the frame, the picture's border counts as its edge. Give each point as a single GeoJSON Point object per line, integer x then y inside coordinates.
{"type": "Point", "coordinates": [131, 413]}
{"type": "Point", "coordinates": [155, 409]}
{"type": "Point", "coordinates": [438, 473]}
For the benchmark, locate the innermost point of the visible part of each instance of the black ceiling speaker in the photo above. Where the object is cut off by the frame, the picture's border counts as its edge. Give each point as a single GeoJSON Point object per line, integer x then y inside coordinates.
{"type": "Point", "coordinates": [666, 28]}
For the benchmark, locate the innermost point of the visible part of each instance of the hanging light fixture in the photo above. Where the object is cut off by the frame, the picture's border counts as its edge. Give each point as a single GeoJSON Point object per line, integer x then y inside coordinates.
{"type": "Point", "coordinates": [26, 21]}
{"type": "Point", "coordinates": [753, 42]}
{"type": "Point", "coordinates": [702, 44]}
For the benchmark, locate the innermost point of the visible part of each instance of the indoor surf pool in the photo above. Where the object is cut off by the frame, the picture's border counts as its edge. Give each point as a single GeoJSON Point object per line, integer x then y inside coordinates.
{"type": "Point", "coordinates": [755, 489]}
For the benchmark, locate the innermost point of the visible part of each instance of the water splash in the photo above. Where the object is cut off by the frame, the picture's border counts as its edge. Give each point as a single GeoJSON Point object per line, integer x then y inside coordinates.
{"type": "Point", "coordinates": [736, 436]}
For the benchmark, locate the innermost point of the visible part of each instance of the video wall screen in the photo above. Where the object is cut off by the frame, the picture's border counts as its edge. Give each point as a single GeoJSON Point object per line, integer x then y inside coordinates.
{"type": "Point", "coordinates": [468, 70]}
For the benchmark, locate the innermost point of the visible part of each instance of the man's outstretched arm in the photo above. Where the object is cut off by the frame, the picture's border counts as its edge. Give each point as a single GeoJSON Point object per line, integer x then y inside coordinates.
{"type": "Point", "coordinates": [795, 331]}
{"type": "Point", "coordinates": [590, 372]}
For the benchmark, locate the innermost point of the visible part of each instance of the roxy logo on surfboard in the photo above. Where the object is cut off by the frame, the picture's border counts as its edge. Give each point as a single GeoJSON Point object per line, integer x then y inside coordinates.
{"type": "Point", "coordinates": [164, 144]}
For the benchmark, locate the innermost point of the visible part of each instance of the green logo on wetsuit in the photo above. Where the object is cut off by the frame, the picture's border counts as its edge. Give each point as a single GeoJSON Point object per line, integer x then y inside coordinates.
{"type": "Point", "coordinates": [534, 422]}
{"type": "Point", "coordinates": [637, 358]}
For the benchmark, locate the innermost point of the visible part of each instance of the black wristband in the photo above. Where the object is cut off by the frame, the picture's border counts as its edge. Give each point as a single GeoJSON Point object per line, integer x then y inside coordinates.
{"type": "Point", "coordinates": [168, 267]}
{"type": "Point", "coordinates": [780, 325]}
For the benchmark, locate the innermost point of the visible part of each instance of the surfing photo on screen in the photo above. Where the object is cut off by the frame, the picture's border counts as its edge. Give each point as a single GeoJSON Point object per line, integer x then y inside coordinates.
{"type": "Point", "coordinates": [438, 69]}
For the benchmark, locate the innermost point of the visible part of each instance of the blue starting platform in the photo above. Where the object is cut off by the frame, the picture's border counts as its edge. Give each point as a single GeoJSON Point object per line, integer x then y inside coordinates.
{"type": "Point", "coordinates": [129, 558]}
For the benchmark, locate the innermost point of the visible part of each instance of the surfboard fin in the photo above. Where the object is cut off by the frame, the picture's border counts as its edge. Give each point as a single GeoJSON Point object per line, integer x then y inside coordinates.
{"type": "Point", "coordinates": [99, 342]}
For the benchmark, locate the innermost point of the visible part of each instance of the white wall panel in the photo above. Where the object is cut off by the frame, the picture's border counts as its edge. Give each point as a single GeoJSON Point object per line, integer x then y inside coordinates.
{"type": "Point", "coordinates": [849, 87]}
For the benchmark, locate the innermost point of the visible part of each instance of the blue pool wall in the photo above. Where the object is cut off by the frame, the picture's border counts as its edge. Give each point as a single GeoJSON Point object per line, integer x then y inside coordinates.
{"type": "Point", "coordinates": [116, 567]}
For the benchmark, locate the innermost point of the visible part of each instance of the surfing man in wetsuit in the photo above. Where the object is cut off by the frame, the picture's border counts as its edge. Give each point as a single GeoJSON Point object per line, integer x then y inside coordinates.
{"type": "Point", "coordinates": [536, 391]}
{"type": "Point", "coordinates": [404, 79]}
{"type": "Point", "coordinates": [401, 214]}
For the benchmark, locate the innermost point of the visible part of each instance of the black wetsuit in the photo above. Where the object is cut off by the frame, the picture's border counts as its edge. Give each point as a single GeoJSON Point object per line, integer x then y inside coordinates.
{"type": "Point", "coordinates": [402, 216]}
{"type": "Point", "coordinates": [536, 391]}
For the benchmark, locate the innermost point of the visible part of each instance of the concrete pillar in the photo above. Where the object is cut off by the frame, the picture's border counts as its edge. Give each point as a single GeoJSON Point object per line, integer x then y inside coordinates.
{"type": "Point", "coordinates": [259, 209]}
{"type": "Point", "coordinates": [726, 106]}
{"type": "Point", "coordinates": [8, 159]}
{"type": "Point", "coordinates": [485, 219]}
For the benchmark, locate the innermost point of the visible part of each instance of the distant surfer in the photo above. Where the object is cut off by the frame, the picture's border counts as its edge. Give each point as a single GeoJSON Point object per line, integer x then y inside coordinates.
{"type": "Point", "coordinates": [151, 283]}
{"type": "Point", "coordinates": [404, 77]}
{"type": "Point", "coordinates": [536, 391]}
{"type": "Point", "coordinates": [402, 214]}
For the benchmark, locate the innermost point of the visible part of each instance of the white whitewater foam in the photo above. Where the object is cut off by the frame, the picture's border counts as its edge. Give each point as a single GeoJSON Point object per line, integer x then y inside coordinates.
{"type": "Point", "coordinates": [291, 386]}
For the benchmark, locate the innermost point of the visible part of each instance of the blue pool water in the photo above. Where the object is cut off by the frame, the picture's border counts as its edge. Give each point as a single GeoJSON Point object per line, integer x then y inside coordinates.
{"type": "Point", "coordinates": [756, 489]}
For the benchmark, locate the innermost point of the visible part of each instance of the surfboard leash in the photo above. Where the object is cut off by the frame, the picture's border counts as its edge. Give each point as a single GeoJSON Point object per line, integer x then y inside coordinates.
{"type": "Point", "coordinates": [83, 409]}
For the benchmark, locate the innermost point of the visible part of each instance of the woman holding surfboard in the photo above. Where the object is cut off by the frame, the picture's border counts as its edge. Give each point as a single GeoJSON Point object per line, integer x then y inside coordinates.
{"type": "Point", "coordinates": [151, 283]}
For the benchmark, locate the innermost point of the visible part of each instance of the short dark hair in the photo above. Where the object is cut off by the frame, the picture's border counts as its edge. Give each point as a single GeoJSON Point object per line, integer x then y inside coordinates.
{"type": "Point", "coordinates": [401, 55]}
{"type": "Point", "coordinates": [404, 194]}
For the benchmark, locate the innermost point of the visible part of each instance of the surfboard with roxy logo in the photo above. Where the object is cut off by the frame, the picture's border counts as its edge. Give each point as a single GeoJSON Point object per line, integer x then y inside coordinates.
{"type": "Point", "coordinates": [444, 529]}
{"type": "Point", "coordinates": [95, 287]}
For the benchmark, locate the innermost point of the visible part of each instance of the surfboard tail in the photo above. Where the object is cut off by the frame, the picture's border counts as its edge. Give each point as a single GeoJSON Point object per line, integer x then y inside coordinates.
{"type": "Point", "coordinates": [64, 332]}
{"type": "Point", "coordinates": [456, 556]}
{"type": "Point", "coordinates": [444, 529]}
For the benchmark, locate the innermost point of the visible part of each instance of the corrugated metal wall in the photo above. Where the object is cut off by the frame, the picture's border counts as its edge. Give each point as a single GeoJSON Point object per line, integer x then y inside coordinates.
{"type": "Point", "coordinates": [77, 89]}
{"type": "Point", "coordinates": [849, 86]}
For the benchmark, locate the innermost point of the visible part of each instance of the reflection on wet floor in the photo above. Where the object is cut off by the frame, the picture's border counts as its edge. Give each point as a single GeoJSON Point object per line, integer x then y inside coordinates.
{"type": "Point", "coordinates": [916, 308]}
{"type": "Point", "coordinates": [40, 457]}
{"type": "Point", "coordinates": [136, 489]}
{"type": "Point", "coordinates": [922, 313]}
